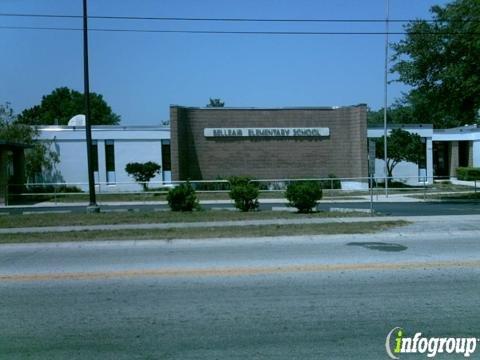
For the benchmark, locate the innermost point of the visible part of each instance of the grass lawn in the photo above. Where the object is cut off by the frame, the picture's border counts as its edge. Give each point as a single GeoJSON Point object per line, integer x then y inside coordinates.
{"type": "Point", "coordinates": [35, 220]}
{"type": "Point", "coordinates": [148, 197]}
{"type": "Point", "coordinates": [470, 196]}
{"type": "Point", "coordinates": [452, 197]}
{"type": "Point", "coordinates": [213, 232]}
{"type": "Point", "coordinates": [328, 194]}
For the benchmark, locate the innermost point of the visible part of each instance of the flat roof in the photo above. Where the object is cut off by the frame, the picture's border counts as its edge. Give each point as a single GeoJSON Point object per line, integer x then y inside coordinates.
{"type": "Point", "coordinates": [104, 128]}
{"type": "Point", "coordinates": [269, 108]}
{"type": "Point", "coordinates": [401, 126]}
{"type": "Point", "coordinates": [464, 129]}
{"type": "Point", "coordinates": [4, 143]}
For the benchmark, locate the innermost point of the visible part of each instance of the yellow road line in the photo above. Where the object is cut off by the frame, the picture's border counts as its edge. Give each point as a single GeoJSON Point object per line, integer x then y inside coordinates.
{"type": "Point", "coordinates": [238, 271]}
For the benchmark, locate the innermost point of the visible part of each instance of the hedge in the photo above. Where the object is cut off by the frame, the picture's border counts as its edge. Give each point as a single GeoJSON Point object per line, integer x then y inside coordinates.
{"type": "Point", "coordinates": [468, 173]}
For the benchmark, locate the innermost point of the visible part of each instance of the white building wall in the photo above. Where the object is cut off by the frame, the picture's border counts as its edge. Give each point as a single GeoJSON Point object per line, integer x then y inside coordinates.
{"type": "Point", "coordinates": [127, 151]}
{"type": "Point", "coordinates": [131, 144]}
{"type": "Point", "coordinates": [144, 143]}
{"type": "Point", "coordinates": [99, 175]}
{"type": "Point", "coordinates": [73, 164]}
{"type": "Point", "coordinates": [466, 133]}
{"type": "Point", "coordinates": [430, 173]}
{"type": "Point", "coordinates": [476, 153]}
{"type": "Point", "coordinates": [407, 172]}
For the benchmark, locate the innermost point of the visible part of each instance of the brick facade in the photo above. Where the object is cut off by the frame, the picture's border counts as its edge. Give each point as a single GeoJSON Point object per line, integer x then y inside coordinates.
{"type": "Point", "coordinates": [196, 157]}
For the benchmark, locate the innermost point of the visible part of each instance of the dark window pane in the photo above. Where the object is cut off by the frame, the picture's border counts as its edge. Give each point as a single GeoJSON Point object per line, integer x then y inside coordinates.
{"type": "Point", "coordinates": [109, 155]}
{"type": "Point", "coordinates": [95, 156]}
{"type": "Point", "coordinates": [166, 162]}
{"type": "Point", "coordinates": [463, 153]}
{"type": "Point", "coordinates": [422, 157]}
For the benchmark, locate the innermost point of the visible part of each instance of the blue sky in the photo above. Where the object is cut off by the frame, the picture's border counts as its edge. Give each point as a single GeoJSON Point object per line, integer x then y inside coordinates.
{"type": "Point", "coordinates": [140, 74]}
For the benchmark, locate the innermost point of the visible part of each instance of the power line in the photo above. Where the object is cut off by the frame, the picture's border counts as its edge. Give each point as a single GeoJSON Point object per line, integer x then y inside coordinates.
{"type": "Point", "coordinates": [213, 32]}
{"type": "Point", "coordinates": [104, 17]}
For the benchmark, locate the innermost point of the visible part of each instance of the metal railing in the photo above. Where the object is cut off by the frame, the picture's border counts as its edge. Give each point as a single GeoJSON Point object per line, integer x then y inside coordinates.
{"type": "Point", "coordinates": [356, 188]}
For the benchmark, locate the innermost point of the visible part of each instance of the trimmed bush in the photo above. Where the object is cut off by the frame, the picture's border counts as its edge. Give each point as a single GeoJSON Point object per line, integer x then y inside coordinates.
{"type": "Point", "coordinates": [303, 195]}
{"type": "Point", "coordinates": [52, 189]}
{"type": "Point", "coordinates": [143, 172]}
{"type": "Point", "coordinates": [468, 173]}
{"type": "Point", "coordinates": [334, 183]}
{"type": "Point", "coordinates": [182, 198]}
{"type": "Point", "coordinates": [238, 180]}
{"type": "Point", "coordinates": [45, 193]}
{"type": "Point", "coordinates": [243, 193]}
{"type": "Point", "coordinates": [212, 186]}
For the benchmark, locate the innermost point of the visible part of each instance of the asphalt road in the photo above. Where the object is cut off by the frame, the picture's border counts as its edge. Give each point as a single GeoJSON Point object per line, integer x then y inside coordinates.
{"type": "Point", "coordinates": [326, 297]}
{"type": "Point", "coordinates": [415, 208]}
{"type": "Point", "coordinates": [386, 208]}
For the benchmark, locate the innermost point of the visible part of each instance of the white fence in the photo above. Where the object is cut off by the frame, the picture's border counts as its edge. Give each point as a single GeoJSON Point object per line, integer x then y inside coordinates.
{"type": "Point", "coordinates": [366, 189]}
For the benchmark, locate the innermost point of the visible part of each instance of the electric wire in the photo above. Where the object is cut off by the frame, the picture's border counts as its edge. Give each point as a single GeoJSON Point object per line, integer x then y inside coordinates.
{"type": "Point", "coordinates": [163, 18]}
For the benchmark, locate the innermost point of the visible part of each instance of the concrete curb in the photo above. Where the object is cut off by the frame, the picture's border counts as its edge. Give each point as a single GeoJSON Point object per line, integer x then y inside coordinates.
{"type": "Point", "coordinates": [423, 219]}
{"type": "Point", "coordinates": [390, 236]}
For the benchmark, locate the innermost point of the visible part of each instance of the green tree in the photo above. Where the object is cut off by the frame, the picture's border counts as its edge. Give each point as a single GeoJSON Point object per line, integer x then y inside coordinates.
{"type": "Point", "coordinates": [401, 146]}
{"type": "Point", "coordinates": [396, 114]}
{"type": "Point", "coordinates": [215, 103]}
{"type": "Point", "coordinates": [62, 104]}
{"type": "Point", "coordinates": [143, 172]}
{"type": "Point", "coordinates": [39, 157]}
{"type": "Point", "coordinates": [439, 60]}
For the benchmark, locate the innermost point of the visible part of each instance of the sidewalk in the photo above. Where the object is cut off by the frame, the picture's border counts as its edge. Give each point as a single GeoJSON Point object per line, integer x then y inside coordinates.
{"type": "Point", "coordinates": [377, 198]}
{"type": "Point", "coordinates": [441, 223]}
{"type": "Point", "coordinates": [358, 199]}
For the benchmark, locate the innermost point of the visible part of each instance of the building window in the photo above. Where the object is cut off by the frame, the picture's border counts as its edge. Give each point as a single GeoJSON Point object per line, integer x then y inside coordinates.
{"type": "Point", "coordinates": [441, 159]}
{"type": "Point", "coordinates": [166, 161]}
{"type": "Point", "coordinates": [110, 161]}
{"type": "Point", "coordinates": [95, 160]}
{"type": "Point", "coordinates": [463, 153]}
{"type": "Point", "coordinates": [10, 170]}
{"type": "Point", "coordinates": [422, 157]}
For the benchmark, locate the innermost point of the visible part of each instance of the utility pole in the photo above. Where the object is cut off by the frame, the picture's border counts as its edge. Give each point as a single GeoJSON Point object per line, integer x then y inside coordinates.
{"type": "Point", "coordinates": [92, 207]}
{"type": "Point", "coordinates": [385, 92]}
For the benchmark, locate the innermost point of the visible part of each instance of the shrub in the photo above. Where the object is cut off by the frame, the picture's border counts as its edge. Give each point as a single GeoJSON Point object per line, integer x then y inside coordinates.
{"type": "Point", "coordinates": [143, 172]}
{"type": "Point", "coordinates": [334, 183]}
{"type": "Point", "coordinates": [271, 185]}
{"type": "Point", "coordinates": [392, 184]}
{"type": "Point", "coordinates": [212, 186]}
{"type": "Point", "coordinates": [468, 173]}
{"type": "Point", "coordinates": [52, 189]}
{"type": "Point", "coordinates": [182, 198]}
{"type": "Point", "coordinates": [45, 193]}
{"type": "Point", "coordinates": [243, 193]}
{"type": "Point", "coordinates": [238, 180]}
{"type": "Point", "coordinates": [303, 195]}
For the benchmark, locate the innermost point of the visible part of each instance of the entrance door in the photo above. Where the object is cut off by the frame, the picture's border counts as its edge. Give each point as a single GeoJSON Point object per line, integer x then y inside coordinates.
{"type": "Point", "coordinates": [441, 161]}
